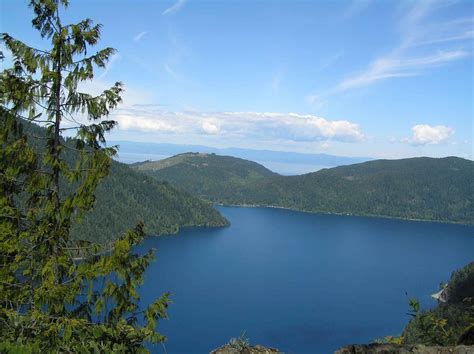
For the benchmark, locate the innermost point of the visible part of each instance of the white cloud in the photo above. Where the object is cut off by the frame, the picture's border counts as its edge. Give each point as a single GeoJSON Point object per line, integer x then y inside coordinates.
{"type": "Point", "coordinates": [139, 36]}
{"type": "Point", "coordinates": [130, 122]}
{"type": "Point", "coordinates": [241, 125]}
{"type": "Point", "coordinates": [325, 145]}
{"type": "Point", "coordinates": [210, 127]}
{"type": "Point", "coordinates": [424, 134]}
{"type": "Point", "coordinates": [174, 8]}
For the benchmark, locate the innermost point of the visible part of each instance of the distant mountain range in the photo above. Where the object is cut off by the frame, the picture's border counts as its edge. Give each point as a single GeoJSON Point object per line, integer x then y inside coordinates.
{"type": "Point", "coordinates": [440, 189]}
{"type": "Point", "coordinates": [283, 162]}
{"type": "Point", "coordinates": [126, 197]}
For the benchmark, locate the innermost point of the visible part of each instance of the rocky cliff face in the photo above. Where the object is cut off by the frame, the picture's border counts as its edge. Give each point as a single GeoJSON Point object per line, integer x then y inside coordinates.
{"type": "Point", "coordinates": [399, 349]}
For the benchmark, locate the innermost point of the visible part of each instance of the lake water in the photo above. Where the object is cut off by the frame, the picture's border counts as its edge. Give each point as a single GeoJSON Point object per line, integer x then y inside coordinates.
{"type": "Point", "coordinates": [300, 282]}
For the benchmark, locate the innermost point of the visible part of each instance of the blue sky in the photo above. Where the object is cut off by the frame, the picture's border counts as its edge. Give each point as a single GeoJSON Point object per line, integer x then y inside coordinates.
{"type": "Point", "coordinates": [355, 78]}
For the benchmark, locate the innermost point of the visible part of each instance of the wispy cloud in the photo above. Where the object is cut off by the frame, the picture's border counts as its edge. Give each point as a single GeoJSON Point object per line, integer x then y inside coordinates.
{"type": "Point", "coordinates": [139, 36]}
{"type": "Point", "coordinates": [424, 45]}
{"type": "Point", "coordinates": [171, 72]}
{"type": "Point", "coordinates": [329, 61]}
{"type": "Point", "coordinates": [317, 101]}
{"type": "Point", "coordinates": [178, 5]}
{"type": "Point", "coordinates": [391, 67]}
{"type": "Point", "coordinates": [177, 57]}
{"type": "Point", "coordinates": [459, 37]}
{"type": "Point", "coordinates": [290, 127]}
{"type": "Point", "coordinates": [109, 65]}
{"type": "Point", "coordinates": [418, 30]}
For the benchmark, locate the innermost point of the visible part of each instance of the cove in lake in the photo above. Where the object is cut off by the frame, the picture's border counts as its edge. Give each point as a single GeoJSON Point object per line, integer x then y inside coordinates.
{"type": "Point", "coordinates": [300, 282]}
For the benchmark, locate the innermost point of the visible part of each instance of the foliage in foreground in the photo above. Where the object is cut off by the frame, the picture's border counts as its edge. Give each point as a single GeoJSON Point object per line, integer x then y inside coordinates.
{"type": "Point", "coordinates": [240, 343]}
{"type": "Point", "coordinates": [449, 323]}
{"type": "Point", "coordinates": [56, 294]}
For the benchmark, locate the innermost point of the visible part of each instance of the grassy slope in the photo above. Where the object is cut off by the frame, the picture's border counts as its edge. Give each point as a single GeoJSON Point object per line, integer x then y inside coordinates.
{"type": "Point", "coordinates": [416, 188]}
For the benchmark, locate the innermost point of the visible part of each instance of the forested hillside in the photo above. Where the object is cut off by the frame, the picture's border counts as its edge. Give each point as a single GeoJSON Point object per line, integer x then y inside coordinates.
{"type": "Point", "coordinates": [417, 188]}
{"type": "Point", "coordinates": [209, 176]}
{"type": "Point", "coordinates": [126, 197]}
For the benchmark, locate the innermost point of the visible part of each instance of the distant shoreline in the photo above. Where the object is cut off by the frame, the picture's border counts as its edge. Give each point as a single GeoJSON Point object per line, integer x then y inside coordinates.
{"type": "Point", "coordinates": [177, 231]}
{"type": "Point", "coordinates": [341, 214]}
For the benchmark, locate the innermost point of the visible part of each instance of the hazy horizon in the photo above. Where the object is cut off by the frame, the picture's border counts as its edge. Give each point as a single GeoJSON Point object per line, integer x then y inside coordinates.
{"type": "Point", "coordinates": [230, 147]}
{"type": "Point", "coordinates": [282, 162]}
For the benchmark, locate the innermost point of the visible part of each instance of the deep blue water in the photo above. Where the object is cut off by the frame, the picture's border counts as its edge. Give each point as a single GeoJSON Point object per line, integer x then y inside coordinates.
{"type": "Point", "coordinates": [300, 282]}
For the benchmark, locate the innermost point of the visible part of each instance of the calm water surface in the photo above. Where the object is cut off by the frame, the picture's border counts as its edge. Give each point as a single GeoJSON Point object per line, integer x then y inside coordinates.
{"type": "Point", "coordinates": [303, 283]}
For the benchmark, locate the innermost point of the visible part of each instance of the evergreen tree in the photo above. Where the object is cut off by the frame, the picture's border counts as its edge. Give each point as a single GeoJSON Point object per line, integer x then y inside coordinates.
{"type": "Point", "coordinates": [56, 294]}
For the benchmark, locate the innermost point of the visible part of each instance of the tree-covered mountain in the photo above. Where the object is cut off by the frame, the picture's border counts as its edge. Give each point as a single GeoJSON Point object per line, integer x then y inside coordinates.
{"type": "Point", "coordinates": [126, 197]}
{"type": "Point", "coordinates": [209, 176]}
{"type": "Point", "coordinates": [424, 188]}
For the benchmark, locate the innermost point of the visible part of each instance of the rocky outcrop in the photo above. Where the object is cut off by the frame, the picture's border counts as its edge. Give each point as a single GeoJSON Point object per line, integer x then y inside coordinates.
{"type": "Point", "coordinates": [257, 349]}
{"type": "Point", "coordinates": [399, 349]}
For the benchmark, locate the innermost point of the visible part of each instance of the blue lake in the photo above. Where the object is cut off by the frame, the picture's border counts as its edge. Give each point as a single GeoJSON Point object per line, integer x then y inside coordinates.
{"type": "Point", "coordinates": [300, 282]}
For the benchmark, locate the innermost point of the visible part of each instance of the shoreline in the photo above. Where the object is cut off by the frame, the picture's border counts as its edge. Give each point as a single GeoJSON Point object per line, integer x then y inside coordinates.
{"type": "Point", "coordinates": [341, 214]}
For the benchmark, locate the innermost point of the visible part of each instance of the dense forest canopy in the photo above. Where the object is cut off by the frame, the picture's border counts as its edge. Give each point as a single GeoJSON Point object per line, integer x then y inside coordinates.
{"type": "Point", "coordinates": [440, 189]}
{"type": "Point", "coordinates": [126, 197]}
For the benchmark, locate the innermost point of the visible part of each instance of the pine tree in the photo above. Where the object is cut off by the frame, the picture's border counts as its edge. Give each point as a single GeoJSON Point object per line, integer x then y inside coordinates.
{"type": "Point", "coordinates": [56, 294]}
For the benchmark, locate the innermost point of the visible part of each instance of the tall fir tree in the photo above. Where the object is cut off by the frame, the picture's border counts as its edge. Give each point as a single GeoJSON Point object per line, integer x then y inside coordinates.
{"type": "Point", "coordinates": [57, 294]}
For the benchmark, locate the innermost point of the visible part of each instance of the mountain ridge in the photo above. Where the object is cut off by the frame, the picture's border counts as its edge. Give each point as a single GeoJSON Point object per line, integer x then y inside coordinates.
{"type": "Point", "coordinates": [421, 188]}
{"type": "Point", "coordinates": [292, 161]}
